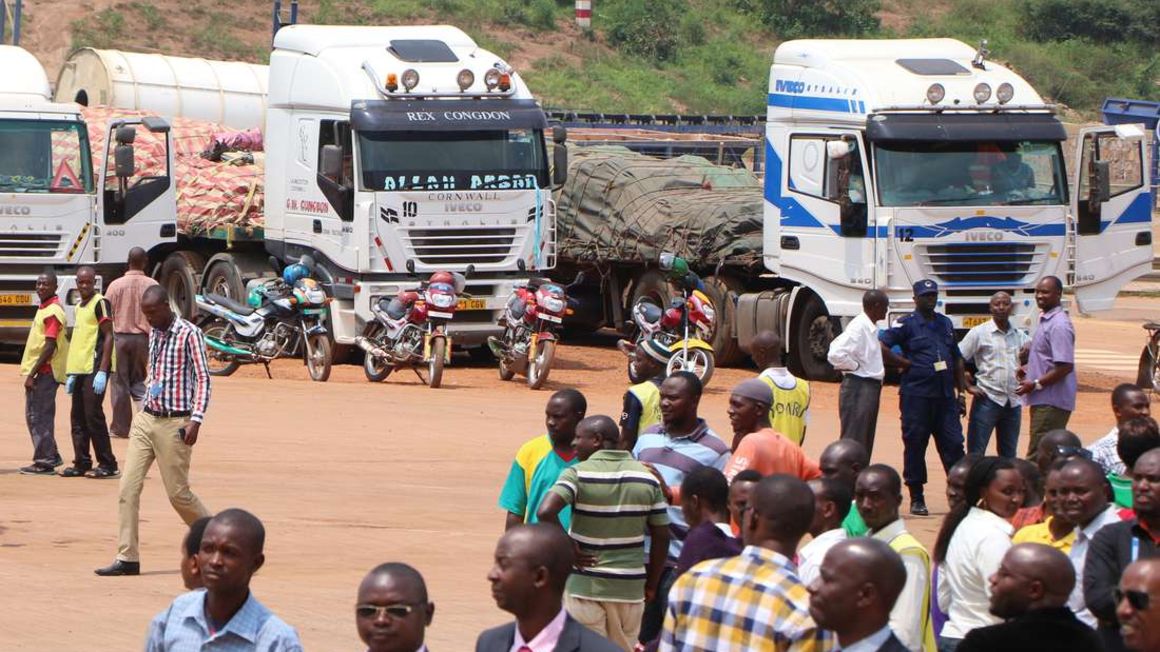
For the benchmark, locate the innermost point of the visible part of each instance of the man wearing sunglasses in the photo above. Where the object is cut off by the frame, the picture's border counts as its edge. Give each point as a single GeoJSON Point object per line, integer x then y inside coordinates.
{"type": "Point", "coordinates": [1119, 545]}
{"type": "Point", "coordinates": [1138, 606]}
{"type": "Point", "coordinates": [393, 612]}
{"type": "Point", "coordinates": [1030, 591]}
{"type": "Point", "coordinates": [225, 616]}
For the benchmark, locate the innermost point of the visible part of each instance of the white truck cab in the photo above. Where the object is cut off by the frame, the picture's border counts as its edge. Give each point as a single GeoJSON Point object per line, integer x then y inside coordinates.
{"type": "Point", "coordinates": [891, 161]}
{"type": "Point", "coordinates": [394, 152]}
{"type": "Point", "coordinates": [56, 211]}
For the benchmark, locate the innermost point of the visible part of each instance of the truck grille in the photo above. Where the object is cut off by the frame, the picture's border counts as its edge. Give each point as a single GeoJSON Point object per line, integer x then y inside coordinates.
{"type": "Point", "coordinates": [460, 245]}
{"type": "Point", "coordinates": [980, 263]}
{"type": "Point", "coordinates": [29, 245]}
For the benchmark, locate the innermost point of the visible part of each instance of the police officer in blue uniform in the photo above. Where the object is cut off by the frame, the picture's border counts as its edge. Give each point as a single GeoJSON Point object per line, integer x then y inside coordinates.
{"type": "Point", "coordinates": [933, 389]}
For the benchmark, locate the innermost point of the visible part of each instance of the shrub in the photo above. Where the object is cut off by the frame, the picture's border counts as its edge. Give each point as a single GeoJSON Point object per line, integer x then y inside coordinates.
{"type": "Point", "coordinates": [645, 28]}
{"type": "Point", "coordinates": [1102, 21]}
{"type": "Point", "coordinates": [797, 18]}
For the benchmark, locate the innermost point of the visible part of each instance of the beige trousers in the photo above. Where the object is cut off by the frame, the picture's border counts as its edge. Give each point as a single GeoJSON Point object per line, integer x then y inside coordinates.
{"type": "Point", "coordinates": [154, 438]}
{"type": "Point", "coordinates": [618, 622]}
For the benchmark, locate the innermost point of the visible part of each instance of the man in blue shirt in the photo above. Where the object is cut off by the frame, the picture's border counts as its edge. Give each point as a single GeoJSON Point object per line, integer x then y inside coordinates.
{"type": "Point", "coordinates": [932, 393]}
{"type": "Point", "coordinates": [224, 617]}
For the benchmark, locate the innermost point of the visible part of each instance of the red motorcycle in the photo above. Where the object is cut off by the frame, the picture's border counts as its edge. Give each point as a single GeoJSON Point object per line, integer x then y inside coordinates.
{"type": "Point", "coordinates": [532, 319]}
{"type": "Point", "coordinates": [410, 330]}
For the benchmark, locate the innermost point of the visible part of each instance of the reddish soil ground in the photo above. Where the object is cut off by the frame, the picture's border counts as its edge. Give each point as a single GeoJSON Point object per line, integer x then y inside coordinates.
{"type": "Point", "coordinates": [345, 475]}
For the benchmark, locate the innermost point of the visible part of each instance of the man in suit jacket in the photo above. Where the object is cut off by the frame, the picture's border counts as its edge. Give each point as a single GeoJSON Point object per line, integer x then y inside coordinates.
{"type": "Point", "coordinates": [532, 564]}
{"type": "Point", "coordinates": [1030, 590]}
{"type": "Point", "coordinates": [859, 581]}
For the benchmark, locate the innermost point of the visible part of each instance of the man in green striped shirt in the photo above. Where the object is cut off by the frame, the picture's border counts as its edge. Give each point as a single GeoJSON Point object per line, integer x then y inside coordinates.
{"type": "Point", "coordinates": [614, 501]}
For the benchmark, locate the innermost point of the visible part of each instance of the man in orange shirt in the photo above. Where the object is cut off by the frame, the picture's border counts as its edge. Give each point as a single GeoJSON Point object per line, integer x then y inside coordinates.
{"type": "Point", "coordinates": [756, 445]}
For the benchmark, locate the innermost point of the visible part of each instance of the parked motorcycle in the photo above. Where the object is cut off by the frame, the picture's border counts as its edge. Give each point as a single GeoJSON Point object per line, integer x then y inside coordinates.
{"type": "Point", "coordinates": [532, 320]}
{"type": "Point", "coordinates": [283, 317]}
{"type": "Point", "coordinates": [410, 329]}
{"type": "Point", "coordinates": [686, 326]}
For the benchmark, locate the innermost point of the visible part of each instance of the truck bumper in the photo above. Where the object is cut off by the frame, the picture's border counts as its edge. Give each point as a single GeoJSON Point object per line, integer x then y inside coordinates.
{"type": "Point", "coordinates": [18, 303]}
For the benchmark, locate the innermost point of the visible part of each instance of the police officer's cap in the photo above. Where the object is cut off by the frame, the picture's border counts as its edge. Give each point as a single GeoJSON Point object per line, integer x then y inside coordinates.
{"type": "Point", "coordinates": [925, 286]}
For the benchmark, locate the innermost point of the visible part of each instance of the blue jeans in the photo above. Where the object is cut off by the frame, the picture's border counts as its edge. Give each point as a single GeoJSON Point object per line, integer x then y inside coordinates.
{"type": "Point", "coordinates": [987, 415]}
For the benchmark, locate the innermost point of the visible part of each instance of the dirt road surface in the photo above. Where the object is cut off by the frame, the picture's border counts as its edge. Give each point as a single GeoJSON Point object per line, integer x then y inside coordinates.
{"type": "Point", "coordinates": [347, 475]}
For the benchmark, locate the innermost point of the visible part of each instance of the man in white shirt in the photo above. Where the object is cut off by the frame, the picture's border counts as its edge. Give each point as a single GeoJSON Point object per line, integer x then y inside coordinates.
{"type": "Point", "coordinates": [878, 498]}
{"type": "Point", "coordinates": [1082, 498]}
{"type": "Point", "coordinates": [994, 349]}
{"type": "Point", "coordinates": [855, 593]}
{"type": "Point", "coordinates": [831, 505]}
{"type": "Point", "coordinates": [857, 354]}
{"type": "Point", "coordinates": [1128, 402]}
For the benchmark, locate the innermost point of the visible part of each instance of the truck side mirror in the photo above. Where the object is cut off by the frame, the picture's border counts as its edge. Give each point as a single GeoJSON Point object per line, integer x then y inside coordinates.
{"type": "Point", "coordinates": [559, 134]}
{"type": "Point", "coordinates": [125, 135]}
{"type": "Point", "coordinates": [559, 163]}
{"type": "Point", "coordinates": [1101, 182]}
{"type": "Point", "coordinates": [331, 163]}
{"type": "Point", "coordinates": [123, 161]}
{"type": "Point", "coordinates": [837, 177]}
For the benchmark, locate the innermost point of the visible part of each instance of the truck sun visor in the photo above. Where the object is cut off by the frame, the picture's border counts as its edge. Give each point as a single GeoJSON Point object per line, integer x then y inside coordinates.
{"type": "Point", "coordinates": [446, 115]}
{"type": "Point", "coordinates": [963, 127]}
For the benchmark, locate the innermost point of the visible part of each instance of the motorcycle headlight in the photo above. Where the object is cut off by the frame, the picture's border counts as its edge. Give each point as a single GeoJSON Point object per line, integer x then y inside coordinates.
{"type": "Point", "coordinates": [442, 300]}
{"type": "Point", "coordinates": [552, 304]}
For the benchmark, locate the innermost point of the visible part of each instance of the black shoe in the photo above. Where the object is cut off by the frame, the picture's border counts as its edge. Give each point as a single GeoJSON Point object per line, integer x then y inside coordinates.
{"type": "Point", "coordinates": [120, 568]}
{"type": "Point", "coordinates": [37, 469]}
{"type": "Point", "coordinates": [73, 472]}
{"type": "Point", "coordinates": [918, 507]}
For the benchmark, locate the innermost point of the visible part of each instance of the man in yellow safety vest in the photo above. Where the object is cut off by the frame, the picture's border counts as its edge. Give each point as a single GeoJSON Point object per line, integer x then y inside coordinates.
{"type": "Point", "coordinates": [642, 401]}
{"type": "Point", "coordinates": [43, 369]}
{"type": "Point", "coordinates": [90, 361]}
{"type": "Point", "coordinates": [789, 414]}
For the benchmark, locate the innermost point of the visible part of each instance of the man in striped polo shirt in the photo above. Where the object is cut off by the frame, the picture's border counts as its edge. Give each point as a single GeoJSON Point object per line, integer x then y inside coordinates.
{"type": "Point", "coordinates": [614, 499]}
{"type": "Point", "coordinates": [681, 444]}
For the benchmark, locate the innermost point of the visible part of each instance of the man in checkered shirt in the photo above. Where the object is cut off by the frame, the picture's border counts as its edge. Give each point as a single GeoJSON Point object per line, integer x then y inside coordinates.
{"type": "Point", "coordinates": [1128, 402]}
{"type": "Point", "coordinates": [754, 601]}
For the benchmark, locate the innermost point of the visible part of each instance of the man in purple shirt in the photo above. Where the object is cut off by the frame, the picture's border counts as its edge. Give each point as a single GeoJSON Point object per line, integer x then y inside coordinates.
{"type": "Point", "coordinates": [1047, 383]}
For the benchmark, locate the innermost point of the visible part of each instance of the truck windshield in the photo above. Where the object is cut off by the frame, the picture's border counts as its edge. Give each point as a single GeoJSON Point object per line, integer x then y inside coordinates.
{"type": "Point", "coordinates": [511, 159]}
{"type": "Point", "coordinates": [919, 173]}
{"type": "Point", "coordinates": [41, 156]}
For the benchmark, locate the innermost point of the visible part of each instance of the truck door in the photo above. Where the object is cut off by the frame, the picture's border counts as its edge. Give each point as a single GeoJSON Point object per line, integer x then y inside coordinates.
{"type": "Point", "coordinates": [139, 199]}
{"type": "Point", "coordinates": [1112, 209]}
{"type": "Point", "coordinates": [826, 187]}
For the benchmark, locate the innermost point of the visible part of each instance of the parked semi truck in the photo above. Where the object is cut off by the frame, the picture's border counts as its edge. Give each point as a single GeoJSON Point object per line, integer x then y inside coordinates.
{"type": "Point", "coordinates": [886, 162]}
{"type": "Point", "coordinates": [391, 152]}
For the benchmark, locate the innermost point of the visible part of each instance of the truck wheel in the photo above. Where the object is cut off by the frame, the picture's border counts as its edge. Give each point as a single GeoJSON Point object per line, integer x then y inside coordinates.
{"type": "Point", "coordinates": [810, 343]}
{"type": "Point", "coordinates": [653, 286]}
{"type": "Point", "coordinates": [722, 290]}
{"type": "Point", "coordinates": [224, 279]}
{"type": "Point", "coordinates": [179, 277]}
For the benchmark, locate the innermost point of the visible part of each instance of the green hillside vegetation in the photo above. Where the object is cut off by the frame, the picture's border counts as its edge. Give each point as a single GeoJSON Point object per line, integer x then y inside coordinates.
{"type": "Point", "coordinates": [705, 56]}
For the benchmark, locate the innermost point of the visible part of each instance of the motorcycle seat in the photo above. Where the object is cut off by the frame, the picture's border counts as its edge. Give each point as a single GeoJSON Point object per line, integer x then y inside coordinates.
{"type": "Point", "coordinates": [236, 306]}
{"type": "Point", "coordinates": [1152, 326]}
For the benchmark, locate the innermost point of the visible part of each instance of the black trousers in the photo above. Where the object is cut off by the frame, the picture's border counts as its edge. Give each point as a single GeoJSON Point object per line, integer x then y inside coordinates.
{"type": "Point", "coordinates": [88, 427]}
{"type": "Point", "coordinates": [923, 418]}
{"type": "Point", "coordinates": [858, 409]}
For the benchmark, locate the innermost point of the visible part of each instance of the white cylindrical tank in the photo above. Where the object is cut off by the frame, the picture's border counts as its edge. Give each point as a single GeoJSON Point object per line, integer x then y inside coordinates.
{"type": "Point", "coordinates": [24, 80]}
{"type": "Point", "coordinates": [228, 92]}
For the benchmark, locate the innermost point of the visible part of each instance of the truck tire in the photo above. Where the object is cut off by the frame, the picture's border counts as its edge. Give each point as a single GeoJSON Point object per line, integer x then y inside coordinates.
{"type": "Point", "coordinates": [223, 278]}
{"type": "Point", "coordinates": [180, 275]}
{"type": "Point", "coordinates": [813, 330]}
{"type": "Point", "coordinates": [722, 290]}
{"type": "Point", "coordinates": [651, 286]}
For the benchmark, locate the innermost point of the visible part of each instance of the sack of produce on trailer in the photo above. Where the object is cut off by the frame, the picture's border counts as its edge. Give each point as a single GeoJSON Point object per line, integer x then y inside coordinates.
{"type": "Point", "coordinates": [619, 206]}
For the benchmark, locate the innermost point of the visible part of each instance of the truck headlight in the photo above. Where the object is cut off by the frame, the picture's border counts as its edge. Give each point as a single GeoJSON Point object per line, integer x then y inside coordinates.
{"type": "Point", "coordinates": [934, 94]}
{"type": "Point", "coordinates": [982, 93]}
{"type": "Point", "coordinates": [1004, 93]}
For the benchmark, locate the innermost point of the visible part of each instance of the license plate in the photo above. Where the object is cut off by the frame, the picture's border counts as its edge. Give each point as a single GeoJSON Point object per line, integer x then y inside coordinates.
{"type": "Point", "coordinates": [472, 304]}
{"type": "Point", "coordinates": [15, 299]}
{"type": "Point", "coordinates": [554, 318]}
{"type": "Point", "coordinates": [971, 322]}
{"type": "Point", "coordinates": [314, 311]}
{"type": "Point", "coordinates": [441, 315]}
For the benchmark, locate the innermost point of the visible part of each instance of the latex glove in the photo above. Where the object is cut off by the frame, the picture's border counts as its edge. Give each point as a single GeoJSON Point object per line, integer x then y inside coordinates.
{"type": "Point", "coordinates": [100, 379]}
{"type": "Point", "coordinates": [70, 384]}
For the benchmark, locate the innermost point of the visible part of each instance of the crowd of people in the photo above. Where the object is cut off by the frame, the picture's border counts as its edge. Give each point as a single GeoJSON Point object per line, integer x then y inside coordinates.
{"type": "Point", "coordinates": [654, 532]}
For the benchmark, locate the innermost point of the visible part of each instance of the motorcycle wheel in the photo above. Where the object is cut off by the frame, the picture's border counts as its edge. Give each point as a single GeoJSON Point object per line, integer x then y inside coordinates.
{"type": "Point", "coordinates": [541, 364]}
{"type": "Point", "coordinates": [319, 363]}
{"type": "Point", "coordinates": [435, 364]}
{"type": "Point", "coordinates": [1148, 375]}
{"type": "Point", "coordinates": [698, 361]}
{"type": "Point", "coordinates": [219, 364]}
{"type": "Point", "coordinates": [376, 370]}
